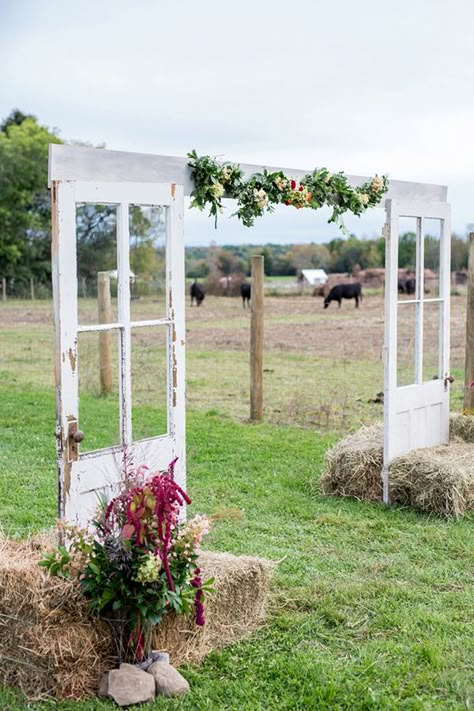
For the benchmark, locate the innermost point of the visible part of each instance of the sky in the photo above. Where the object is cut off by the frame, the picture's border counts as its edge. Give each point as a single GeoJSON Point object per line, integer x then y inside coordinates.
{"type": "Point", "coordinates": [361, 87]}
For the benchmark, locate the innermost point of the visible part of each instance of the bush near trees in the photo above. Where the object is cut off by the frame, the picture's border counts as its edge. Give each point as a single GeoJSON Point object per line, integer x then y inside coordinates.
{"type": "Point", "coordinates": [25, 231]}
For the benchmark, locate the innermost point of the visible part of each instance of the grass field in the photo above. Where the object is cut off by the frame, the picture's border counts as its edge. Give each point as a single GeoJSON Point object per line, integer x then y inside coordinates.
{"type": "Point", "coordinates": [371, 608]}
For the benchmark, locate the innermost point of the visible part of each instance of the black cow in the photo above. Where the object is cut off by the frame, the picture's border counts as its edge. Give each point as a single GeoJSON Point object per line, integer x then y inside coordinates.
{"type": "Point", "coordinates": [245, 294]}
{"type": "Point", "coordinates": [410, 286]}
{"type": "Point", "coordinates": [402, 286]}
{"type": "Point", "coordinates": [197, 292]}
{"type": "Point", "coordinates": [344, 291]}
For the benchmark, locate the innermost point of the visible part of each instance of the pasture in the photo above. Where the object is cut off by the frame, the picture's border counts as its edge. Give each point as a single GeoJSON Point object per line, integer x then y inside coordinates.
{"type": "Point", "coordinates": [371, 608]}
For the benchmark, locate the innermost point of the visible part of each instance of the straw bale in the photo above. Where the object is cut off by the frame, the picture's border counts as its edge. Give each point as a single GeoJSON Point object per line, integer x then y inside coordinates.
{"type": "Point", "coordinates": [50, 646]}
{"type": "Point", "coordinates": [461, 427]}
{"type": "Point", "coordinates": [235, 609]}
{"type": "Point", "coordinates": [438, 480]}
{"type": "Point", "coordinates": [354, 464]}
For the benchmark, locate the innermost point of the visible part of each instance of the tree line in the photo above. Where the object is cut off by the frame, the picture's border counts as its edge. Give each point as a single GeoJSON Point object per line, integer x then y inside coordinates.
{"type": "Point", "coordinates": [25, 230]}
{"type": "Point", "coordinates": [343, 255]}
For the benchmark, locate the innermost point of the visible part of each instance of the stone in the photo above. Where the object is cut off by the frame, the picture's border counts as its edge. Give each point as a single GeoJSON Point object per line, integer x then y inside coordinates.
{"type": "Point", "coordinates": [155, 656]}
{"type": "Point", "coordinates": [104, 685]}
{"type": "Point", "coordinates": [130, 685]}
{"type": "Point", "coordinates": [160, 656]}
{"type": "Point", "coordinates": [168, 680]}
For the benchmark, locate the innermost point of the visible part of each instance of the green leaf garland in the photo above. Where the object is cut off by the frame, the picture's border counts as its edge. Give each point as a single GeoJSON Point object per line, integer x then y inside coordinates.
{"type": "Point", "coordinates": [262, 191]}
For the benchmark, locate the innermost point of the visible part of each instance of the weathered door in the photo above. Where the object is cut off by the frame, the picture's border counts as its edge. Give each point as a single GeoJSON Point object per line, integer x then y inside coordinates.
{"type": "Point", "coordinates": [416, 347]}
{"type": "Point", "coordinates": [83, 475]}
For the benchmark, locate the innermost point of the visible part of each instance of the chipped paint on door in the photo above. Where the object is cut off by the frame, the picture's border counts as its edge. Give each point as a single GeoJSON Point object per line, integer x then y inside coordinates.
{"type": "Point", "coordinates": [82, 477]}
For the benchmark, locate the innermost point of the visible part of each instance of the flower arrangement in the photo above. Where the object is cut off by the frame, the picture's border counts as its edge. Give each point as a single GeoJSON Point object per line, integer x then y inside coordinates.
{"type": "Point", "coordinates": [139, 562]}
{"type": "Point", "coordinates": [262, 191]}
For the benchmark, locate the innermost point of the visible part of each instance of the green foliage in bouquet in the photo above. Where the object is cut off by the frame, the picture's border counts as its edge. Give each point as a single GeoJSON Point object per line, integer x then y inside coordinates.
{"type": "Point", "coordinates": [138, 563]}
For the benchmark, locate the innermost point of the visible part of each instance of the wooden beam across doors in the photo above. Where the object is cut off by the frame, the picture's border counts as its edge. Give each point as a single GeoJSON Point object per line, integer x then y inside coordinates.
{"type": "Point", "coordinates": [99, 165]}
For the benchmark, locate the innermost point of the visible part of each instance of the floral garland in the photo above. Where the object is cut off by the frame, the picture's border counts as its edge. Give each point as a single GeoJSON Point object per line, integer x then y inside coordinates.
{"type": "Point", "coordinates": [262, 191]}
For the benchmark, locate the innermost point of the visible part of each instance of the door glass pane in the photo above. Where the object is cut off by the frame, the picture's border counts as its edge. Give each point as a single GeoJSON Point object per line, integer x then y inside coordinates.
{"type": "Point", "coordinates": [149, 382]}
{"type": "Point", "coordinates": [431, 341]}
{"type": "Point", "coordinates": [96, 245]}
{"type": "Point", "coordinates": [407, 255]}
{"type": "Point", "coordinates": [406, 345]}
{"type": "Point", "coordinates": [98, 368]}
{"type": "Point", "coordinates": [432, 242]}
{"type": "Point", "coordinates": [147, 227]}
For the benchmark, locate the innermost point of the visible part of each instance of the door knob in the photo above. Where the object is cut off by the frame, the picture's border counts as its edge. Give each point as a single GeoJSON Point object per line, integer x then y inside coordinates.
{"type": "Point", "coordinates": [78, 436]}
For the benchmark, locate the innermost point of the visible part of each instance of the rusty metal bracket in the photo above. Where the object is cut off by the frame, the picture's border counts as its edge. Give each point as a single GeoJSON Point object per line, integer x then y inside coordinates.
{"type": "Point", "coordinates": [448, 379]}
{"type": "Point", "coordinates": [74, 437]}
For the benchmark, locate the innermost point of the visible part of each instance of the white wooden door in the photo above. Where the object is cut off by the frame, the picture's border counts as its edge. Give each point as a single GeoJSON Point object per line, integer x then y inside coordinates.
{"type": "Point", "coordinates": [84, 475]}
{"type": "Point", "coordinates": [416, 346]}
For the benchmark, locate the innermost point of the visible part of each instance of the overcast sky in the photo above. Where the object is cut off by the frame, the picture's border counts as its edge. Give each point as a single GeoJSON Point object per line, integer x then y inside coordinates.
{"type": "Point", "coordinates": [365, 87]}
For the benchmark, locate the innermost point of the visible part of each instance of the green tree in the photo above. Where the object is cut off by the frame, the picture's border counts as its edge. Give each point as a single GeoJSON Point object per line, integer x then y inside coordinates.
{"type": "Point", "coordinates": [407, 250]}
{"type": "Point", "coordinates": [25, 213]}
{"type": "Point", "coordinates": [459, 253]}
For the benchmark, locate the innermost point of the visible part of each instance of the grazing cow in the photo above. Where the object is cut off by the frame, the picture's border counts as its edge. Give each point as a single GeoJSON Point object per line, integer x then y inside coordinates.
{"type": "Point", "coordinates": [245, 294]}
{"type": "Point", "coordinates": [344, 291]}
{"type": "Point", "coordinates": [197, 292]}
{"type": "Point", "coordinates": [410, 286]}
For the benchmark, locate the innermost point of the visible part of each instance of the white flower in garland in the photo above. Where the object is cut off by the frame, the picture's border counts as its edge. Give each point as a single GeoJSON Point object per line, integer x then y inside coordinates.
{"type": "Point", "coordinates": [226, 173]}
{"type": "Point", "coordinates": [217, 190]}
{"type": "Point", "coordinates": [377, 184]}
{"type": "Point", "coordinates": [280, 183]}
{"type": "Point", "coordinates": [364, 199]}
{"type": "Point", "coordinates": [261, 197]}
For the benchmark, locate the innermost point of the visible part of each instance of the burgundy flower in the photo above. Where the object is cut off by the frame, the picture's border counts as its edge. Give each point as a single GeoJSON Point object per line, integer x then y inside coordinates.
{"type": "Point", "coordinates": [196, 582]}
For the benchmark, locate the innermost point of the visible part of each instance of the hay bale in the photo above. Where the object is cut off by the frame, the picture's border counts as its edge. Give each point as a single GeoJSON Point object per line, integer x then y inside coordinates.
{"type": "Point", "coordinates": [354, 464]}
{"type": "Point", "coordinates": [236, 608]}
{"type": "Point", "coordinates": [50, 646]}
{"type": "Point", "coordinates": [438, 480]}
{"type": "Point", "coordinates": [461, 427]}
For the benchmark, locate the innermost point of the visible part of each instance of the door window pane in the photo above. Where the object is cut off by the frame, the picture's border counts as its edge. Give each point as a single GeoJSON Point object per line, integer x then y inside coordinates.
{"type": "Point", "coordinates": [431, 341]}
{"type": "Point", "coordinates": [149, 382]}
{"type": "Point", "coordinates": [406, 344]}
{"type": "Point", "coordinates": [96, 249]}
{"type": "Point", "coordinates": [147, 226]}
{"type": "Point", "coordinates": [432, 245]}
{"type": "Point", "coordinates": [98, 367]}
{"type": "Point", "coordinates": [407, 257]}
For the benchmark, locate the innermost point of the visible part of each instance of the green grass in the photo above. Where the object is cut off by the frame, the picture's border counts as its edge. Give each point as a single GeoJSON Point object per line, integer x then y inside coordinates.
{"type": "Point", "coordinates": [371, 607]}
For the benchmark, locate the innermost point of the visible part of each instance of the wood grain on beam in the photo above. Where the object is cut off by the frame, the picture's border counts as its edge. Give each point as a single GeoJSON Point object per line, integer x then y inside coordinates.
{"type": "Point", "coordinates": [99, 165]}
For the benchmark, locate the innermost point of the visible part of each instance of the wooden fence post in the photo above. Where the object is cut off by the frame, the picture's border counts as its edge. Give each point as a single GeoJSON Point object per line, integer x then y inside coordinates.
{"type": "Point", "coordinates": [4, 289]}
{"type": "Point", "coordinates": [256, 339]}
{"type": "Point", "coordinates": [32, 288]}
{"type": "Point", "coordinates": [105, 337]}
{"type": "Point", "coordinates": [469, 361]}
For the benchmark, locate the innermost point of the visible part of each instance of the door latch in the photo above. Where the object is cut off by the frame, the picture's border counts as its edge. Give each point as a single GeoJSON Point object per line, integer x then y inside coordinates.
{"type": "Point", "coordinates": [448, 379]}
{"type": "Point", "coordinates": [74, 437]}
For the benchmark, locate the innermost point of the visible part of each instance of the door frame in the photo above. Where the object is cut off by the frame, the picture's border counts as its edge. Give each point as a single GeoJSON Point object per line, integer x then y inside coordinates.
{"type": "Point", "coordinates": [421, 395]}
{"type": "Point", "coordinates": [74, 474]}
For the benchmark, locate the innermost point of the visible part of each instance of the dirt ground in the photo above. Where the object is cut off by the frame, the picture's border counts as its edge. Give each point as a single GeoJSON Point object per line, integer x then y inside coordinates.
{"type": "Point", "coordinates": [300, 324]}
{"type": "Point", "coordinates": [322, 368]}
{"type": "Point", "coordinates": [297, 324]}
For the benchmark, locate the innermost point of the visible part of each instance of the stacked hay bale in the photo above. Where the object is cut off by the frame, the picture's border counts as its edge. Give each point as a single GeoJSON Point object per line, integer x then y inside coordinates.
{"type": "Point", "coordinates": [437, 480]}
{"type": "Point", "coordinates": [51, 647]}
{"type": "Point", "coordinates": [354, 464]}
